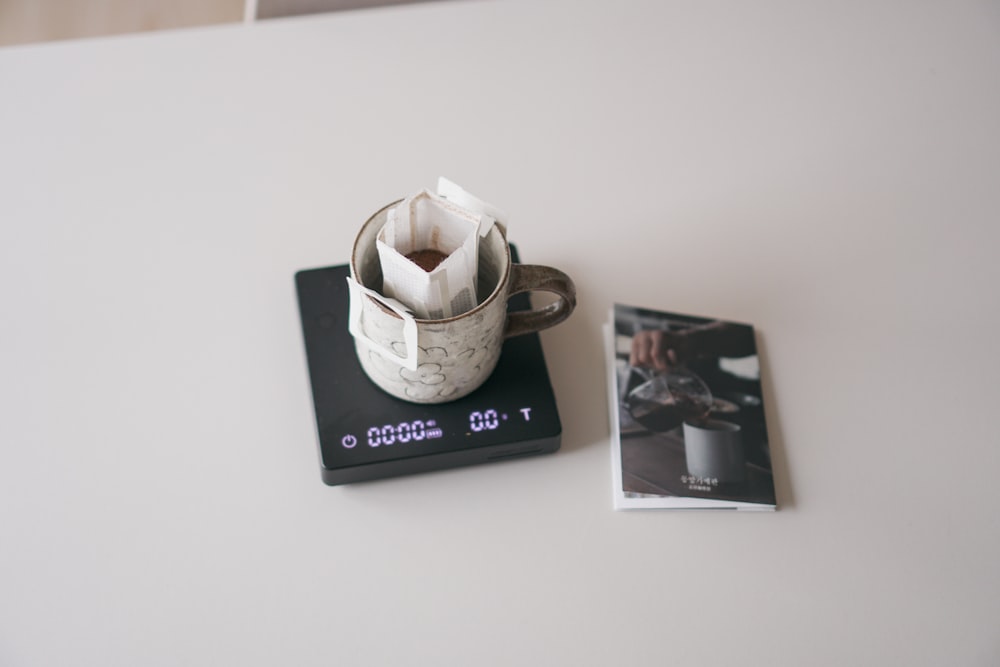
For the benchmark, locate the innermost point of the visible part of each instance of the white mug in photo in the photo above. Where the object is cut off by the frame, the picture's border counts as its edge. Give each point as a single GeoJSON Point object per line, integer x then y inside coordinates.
{"type": "Point", "coordinates": [714, 450]}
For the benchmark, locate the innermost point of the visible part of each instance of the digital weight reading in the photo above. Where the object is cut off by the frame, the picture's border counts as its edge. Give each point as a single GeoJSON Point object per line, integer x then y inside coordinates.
{"type": "Point", "coordinates": [420, 430]}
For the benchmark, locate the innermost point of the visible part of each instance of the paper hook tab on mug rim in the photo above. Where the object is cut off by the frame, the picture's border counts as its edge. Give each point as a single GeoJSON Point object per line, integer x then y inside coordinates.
{"type": "Point", "coordinates": [356, 327]}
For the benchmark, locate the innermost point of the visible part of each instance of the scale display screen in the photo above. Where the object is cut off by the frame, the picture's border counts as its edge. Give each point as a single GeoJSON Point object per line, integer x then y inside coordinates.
{"type": "Point", "coordinates": [365, 433]}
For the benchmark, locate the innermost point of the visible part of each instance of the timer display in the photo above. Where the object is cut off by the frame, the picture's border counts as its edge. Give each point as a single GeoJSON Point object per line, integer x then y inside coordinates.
{"type": "Point", "coordinates": [403, 432]}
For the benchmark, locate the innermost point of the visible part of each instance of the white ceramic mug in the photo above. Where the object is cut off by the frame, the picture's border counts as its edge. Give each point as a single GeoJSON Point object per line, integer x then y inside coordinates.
{"type": "Point", "coordinates": [435, 361]}
{"type": "Point", "coordinates": [714, 450]}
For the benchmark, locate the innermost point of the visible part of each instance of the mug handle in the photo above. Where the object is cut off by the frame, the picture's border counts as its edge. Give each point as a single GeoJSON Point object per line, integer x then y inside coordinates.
{"type": "Point", "coordinates": [530, 278]}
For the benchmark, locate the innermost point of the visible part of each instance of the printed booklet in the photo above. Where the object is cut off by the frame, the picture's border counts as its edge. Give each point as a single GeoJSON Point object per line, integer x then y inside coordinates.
{"type": "Point", "coordinates": [687, 413]}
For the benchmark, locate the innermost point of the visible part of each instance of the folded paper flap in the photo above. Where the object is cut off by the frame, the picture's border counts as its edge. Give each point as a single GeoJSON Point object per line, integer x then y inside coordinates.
{"type": "Point", "coordinates": [456, 194]}
{"type": "Point", "coordinates": [356, 325]}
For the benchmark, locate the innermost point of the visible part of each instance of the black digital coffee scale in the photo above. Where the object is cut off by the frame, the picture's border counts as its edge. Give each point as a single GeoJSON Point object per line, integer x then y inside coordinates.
{"type": "Point", "coordinates": [366, 434]}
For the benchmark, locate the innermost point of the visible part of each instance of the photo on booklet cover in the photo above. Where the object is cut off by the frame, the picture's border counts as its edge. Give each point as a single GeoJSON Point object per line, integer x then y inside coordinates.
{"type": "Point", "coordinates": [687, 413]}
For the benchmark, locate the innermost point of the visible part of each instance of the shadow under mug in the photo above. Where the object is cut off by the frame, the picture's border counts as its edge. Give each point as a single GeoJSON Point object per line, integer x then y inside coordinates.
{"type": "Point", "coordinates": [436, 361]}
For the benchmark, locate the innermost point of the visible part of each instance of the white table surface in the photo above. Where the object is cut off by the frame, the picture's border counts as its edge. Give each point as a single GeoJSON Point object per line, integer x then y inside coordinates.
{"type": "Point", "coordinates": [827, 171]}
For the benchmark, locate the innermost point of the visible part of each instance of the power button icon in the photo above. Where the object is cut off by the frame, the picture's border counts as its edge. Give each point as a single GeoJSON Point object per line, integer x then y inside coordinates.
{"type": "Point", "coordinates": [348, 441]}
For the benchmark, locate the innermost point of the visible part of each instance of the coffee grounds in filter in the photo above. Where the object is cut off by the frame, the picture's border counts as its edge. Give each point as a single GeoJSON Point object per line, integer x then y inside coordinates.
{"type": "Point", "coordinates": [427, 259]}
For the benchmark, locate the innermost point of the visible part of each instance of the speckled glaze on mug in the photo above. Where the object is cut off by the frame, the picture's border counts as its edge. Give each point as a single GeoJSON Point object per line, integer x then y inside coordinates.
{"type": "Point", "coordinates": [454, 355]}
